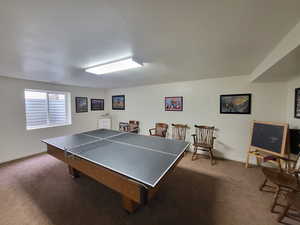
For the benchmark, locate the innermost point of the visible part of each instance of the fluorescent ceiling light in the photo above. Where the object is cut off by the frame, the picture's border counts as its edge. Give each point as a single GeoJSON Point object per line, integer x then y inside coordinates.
{"type": "Point", "coordinates": [114, 66]}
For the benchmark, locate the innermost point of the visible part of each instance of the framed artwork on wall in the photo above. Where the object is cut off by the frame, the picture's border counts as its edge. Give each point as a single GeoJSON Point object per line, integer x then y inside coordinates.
{"type": "Point", "coordinates": [81, 104]}
{"type": "Point", "coordinates": [118, 102]}
{"type": "Point", "coordinates": [297, 103]}
{"type": "Point", "coordinates": [174, 103]}
{"type": "Point", "coordinates": [235, 104]}
{"type": "Point", "coordinates": [97, 104]}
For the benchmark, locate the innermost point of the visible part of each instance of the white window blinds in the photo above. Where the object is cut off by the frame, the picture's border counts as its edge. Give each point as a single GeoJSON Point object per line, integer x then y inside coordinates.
{"type": "Point", "coordinates": [46, 109]}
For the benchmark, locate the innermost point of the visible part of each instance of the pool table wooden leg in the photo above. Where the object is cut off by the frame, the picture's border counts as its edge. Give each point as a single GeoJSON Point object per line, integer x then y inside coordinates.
{"type": "Point", "coordinates": [129, 205]}
{"type": "Point", "coordinates": [73, 172]}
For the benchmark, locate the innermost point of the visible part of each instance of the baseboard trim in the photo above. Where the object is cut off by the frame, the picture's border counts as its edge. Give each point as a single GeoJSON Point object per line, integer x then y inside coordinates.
{"type": "Point", "coordinates": [20, 159]}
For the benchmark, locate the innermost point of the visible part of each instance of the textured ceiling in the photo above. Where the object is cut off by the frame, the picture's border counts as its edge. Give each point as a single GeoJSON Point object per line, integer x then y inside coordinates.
{"type": "Point", "coordinates": [53, 41]}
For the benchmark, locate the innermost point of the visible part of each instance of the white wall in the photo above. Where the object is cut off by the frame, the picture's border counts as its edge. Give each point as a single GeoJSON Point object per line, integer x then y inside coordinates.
{"type": "Point", "coordinates": [292, 85]}
{"type": "Point", "coordinates": [270, 102]}
{"type": "Point", "coordinates": [201, 106]}
{"type": "Point", "coordinates": [15, 140]}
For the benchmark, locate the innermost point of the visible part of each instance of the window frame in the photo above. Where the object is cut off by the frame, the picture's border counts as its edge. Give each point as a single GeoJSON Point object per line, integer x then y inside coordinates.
{"type": "Point", "coordinates": [67, 105]}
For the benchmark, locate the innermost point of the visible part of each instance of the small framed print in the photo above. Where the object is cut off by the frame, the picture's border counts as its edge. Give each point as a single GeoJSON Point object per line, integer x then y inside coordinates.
{"type": "Point", "coordinates": [97, 104]}
{"type": "Point", "coordinates": [235, 104]}
{"type": "Point", "coordinates": [118, 102]}
{"type": "Point", "coordinates": [297, 103]}
{"type": "Point", "coordinates": [81, 104]}
{"type": "Point", "coordinates": [174, 103]}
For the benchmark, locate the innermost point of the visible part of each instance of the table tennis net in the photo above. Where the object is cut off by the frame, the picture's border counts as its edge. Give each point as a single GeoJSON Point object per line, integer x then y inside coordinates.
{"type": "Point", "coordinates": [83, 148]}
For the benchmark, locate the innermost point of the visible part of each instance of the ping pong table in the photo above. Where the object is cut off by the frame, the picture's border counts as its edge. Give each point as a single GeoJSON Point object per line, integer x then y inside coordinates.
{"type": "Point", "coordinates": [133, 165]}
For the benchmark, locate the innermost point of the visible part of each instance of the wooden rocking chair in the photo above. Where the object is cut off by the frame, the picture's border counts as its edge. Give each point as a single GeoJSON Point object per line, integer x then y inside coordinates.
{"type": "Point", "coordinates": [179, 131]}
{"type": "Point", "coordinates": [160, 130]}
{"type": "Point", "coordinates": [285, 179]}
{"type": "Point", "coordinates": [123, 126]}
{"type": "Point", "coordinates": [293, 202]}
{"type": "Point", "coordinates": [133, 126]}
{"type": "Point", "coordinates": [204, 140]}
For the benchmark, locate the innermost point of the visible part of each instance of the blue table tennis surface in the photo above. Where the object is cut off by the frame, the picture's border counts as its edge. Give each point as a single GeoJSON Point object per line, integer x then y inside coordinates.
{"type": "Point", "coordinates": [145, 159]}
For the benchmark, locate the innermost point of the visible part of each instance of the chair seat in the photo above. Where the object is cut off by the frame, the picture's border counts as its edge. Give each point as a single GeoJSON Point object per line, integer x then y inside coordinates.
{"type": "Point", "coordinates": [282, 179]}
{"type": "Point", "coordinates": [202, 145]}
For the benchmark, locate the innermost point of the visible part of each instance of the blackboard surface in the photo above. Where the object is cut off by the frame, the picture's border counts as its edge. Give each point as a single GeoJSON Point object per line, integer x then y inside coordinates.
{"type": "Point", "coordinates": [268, 137]}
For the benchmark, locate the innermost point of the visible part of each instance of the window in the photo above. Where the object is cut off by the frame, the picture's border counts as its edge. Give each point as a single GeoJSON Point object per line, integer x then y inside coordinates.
{"type": "Point", "coordinates": [46, 109]}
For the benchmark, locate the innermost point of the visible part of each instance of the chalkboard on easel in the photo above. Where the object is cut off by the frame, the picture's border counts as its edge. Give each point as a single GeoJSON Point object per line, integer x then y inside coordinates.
{"type": "Point", "coordinates": [269, 137]}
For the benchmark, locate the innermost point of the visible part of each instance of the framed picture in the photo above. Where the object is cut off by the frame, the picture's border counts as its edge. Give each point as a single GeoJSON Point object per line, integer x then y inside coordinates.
{"type": "Point", "coordinates": [297, 103]}
{"type": "Point", "coordinates": [97, 104]}
{"type": "Point", "coordinates": [81, 104]}
{"type": "Point", "coordinates": [118, 102]}
{"type": "Point", "coordinates": [174, 103]}
{"type": "Point", "coordinates": [235, 104]}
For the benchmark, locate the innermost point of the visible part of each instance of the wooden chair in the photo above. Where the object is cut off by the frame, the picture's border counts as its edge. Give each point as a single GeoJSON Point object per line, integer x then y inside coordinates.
{"type": "Point", "coordinates": [285, 179]}
{"type": "Point", "coordinates": [133, 126]}
{"type": "Point", "coordinates": [160, 130]}
{"type": "Point", "coordinates": [179, 131]}
{"type": "Point", "coordinates": [204, 140]}
{"type": "Point", "coordinates": [123, 126]}
{"type": "Point", "coordinates": [293, 202]}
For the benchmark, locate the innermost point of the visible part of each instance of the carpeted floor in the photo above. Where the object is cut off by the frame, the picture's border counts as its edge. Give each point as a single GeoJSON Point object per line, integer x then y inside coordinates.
{"type": "Point", "coordinates": [39, 190]}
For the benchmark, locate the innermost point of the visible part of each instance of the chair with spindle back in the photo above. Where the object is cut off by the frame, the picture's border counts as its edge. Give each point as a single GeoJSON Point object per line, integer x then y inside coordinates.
{"type": "Point", "coordinates": [123, 126]}
{"type": "Point", "coordinates": [204, 140]}
{"type": "Point", "coordinates": [133, 126]}
{"type": "Point", "coordinates": [160, 130]}
{"type": "Point", "coordinates": [285, 179]}
{"type": "Point", "coordinates": [179, 131]}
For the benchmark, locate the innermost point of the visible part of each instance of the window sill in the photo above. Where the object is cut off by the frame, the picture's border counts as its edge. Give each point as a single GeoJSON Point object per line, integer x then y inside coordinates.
{"type": "Point", "coordinates": [48, 126]}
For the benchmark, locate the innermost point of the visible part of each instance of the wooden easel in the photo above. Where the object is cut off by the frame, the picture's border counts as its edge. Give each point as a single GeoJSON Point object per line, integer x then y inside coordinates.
{"type": "Point", "coordinates": [260, 158]}
{"type": "Point", "coordinates": [263, 154]}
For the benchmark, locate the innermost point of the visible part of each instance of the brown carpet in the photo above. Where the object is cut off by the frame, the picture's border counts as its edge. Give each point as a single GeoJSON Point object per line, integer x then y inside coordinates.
{"type": "Point", "coordinates": [39, 190]}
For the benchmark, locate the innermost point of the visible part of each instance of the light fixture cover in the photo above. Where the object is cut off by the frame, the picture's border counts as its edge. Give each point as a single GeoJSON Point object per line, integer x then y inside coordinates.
{"type": "Point", "coordinates": [123, 64]}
